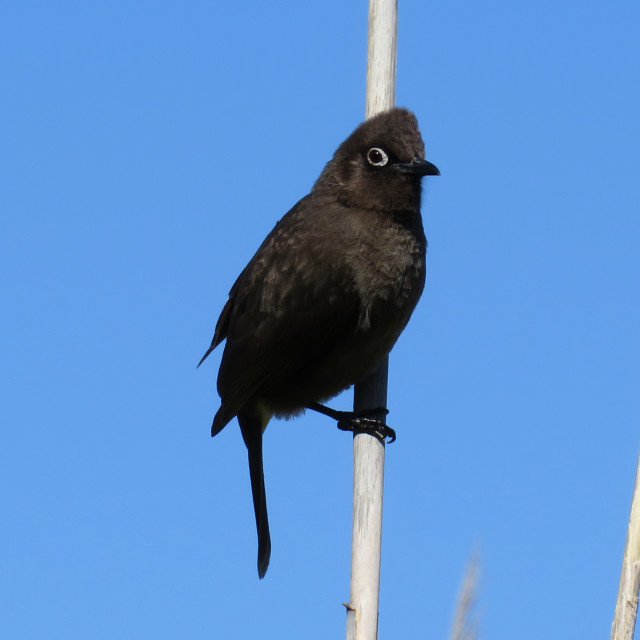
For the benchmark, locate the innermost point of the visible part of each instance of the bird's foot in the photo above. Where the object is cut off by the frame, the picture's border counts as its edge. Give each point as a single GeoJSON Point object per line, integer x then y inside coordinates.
{"type": "Point", "coordinates": [374, 426]}
{"type": "Point", "coordinates": [366, 421]}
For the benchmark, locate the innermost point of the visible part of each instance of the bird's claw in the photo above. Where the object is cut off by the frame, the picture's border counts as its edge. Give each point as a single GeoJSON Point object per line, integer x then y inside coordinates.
{"type": "Point", "coordinates": [364, 421]}
{"type": "Point", "coordinates": [374, 426]}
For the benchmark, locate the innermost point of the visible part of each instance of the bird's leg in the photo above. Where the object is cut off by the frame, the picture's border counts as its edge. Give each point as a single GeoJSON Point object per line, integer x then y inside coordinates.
{"type": "Point", "coordinates": [366, 421]}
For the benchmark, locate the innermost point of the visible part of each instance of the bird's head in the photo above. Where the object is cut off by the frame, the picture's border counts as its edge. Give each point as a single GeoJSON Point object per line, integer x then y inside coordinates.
{"type": "Point", "coordinates": [380, 165]}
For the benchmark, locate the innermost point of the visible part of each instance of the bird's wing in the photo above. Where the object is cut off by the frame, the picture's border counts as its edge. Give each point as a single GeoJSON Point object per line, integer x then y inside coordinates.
{"type": "Point", "coordinates": [261, 265]}
{"type": "Point", "coordinates": [222, 327]}
{"type": "Point", "coordinates": [293, 304]}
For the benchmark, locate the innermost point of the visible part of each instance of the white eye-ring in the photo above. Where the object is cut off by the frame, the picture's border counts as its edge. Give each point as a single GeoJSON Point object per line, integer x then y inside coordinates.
{"type": "Point", "coordinates": [377, 157]}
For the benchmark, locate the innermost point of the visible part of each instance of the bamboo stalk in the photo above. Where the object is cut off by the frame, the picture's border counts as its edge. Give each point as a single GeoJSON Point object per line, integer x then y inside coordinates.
{"type": "Point", "coordinates": [368, 451]}
{"type": "Point", "coordinates": [624, 621]}
{"type": "Point", "coordinates": [368, 483]}
{"type": "Point", "coordinates": [381, 56]}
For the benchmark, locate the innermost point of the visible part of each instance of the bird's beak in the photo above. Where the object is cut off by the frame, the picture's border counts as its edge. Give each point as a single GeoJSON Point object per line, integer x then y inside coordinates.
{"type": "Point", "coordinates": [418, 167]}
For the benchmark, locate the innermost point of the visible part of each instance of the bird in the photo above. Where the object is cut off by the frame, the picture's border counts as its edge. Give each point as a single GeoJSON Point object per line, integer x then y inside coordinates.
{"type": "Point", "coordinates": [325, 297]}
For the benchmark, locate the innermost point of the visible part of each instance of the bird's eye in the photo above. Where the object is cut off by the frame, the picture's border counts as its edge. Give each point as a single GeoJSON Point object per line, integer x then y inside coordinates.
{"type": "Point", "coordinates": [377, 157]}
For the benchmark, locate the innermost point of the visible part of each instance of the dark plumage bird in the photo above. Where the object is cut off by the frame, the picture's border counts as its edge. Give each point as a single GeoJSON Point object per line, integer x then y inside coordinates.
{"type": "Point", "coordinates": [328, 292]}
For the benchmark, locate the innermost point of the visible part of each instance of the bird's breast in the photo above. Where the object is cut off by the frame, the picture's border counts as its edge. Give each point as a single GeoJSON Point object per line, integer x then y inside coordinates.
{"type": "Point", "coordinates": [389, 275]}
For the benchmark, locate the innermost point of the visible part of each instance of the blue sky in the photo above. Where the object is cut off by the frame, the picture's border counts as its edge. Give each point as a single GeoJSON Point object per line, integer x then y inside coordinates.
{"type": "Point", "coordinates": [146, 150]}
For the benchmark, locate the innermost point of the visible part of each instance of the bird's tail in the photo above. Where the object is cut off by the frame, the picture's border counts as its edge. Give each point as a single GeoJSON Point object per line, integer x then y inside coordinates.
{"type": "Point", "coordinates": [252, 427]}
